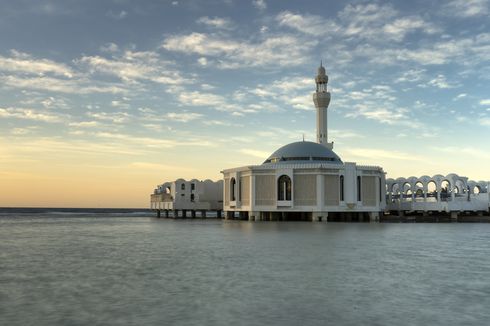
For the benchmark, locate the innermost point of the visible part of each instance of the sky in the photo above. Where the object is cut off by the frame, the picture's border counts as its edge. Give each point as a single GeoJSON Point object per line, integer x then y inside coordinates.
{"type": "Point", "coordinates": [100, 101]}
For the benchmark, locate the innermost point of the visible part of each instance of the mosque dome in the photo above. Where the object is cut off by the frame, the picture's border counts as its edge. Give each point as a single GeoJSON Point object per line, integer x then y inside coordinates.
{"type": "Point", "coordinates": [304, 151]}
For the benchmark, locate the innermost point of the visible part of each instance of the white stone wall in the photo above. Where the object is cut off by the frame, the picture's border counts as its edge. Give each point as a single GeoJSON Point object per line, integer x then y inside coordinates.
{"type": "Point", "coordinates": [304, 190]}
{"type": "Point", "coordinates": [332, 190]}
{"type": "Point", "coordinates": [265, 190]}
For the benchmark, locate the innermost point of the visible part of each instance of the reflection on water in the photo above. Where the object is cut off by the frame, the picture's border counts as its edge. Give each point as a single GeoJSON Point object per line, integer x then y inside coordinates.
{"type": "Point", "coordinates": [145, 271]}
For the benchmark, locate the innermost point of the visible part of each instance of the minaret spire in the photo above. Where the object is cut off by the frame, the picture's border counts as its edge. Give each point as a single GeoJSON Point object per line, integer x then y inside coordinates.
{"type": "Point", "coordinates": [321, 98]}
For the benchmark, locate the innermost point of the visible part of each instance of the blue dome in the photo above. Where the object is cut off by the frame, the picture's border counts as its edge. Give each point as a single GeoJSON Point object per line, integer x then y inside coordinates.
{"type": "Point", "coordinates": [303, 151]}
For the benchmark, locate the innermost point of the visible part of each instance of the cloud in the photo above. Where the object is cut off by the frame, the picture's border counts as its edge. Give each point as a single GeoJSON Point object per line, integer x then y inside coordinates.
{"type": "Point", "coordinates": [113, 117]}
{"type": "Point", "coordinates": [216, 22]}
{"type": "Point", "coordinates": [260, 4]}
{"type": "Point", "coordinates": [155, 143]}
{"type": "Point", "coordinates": [133, 66]}
{"type": "Point", "coordinates": [84, 124]}
{"type": "Point", "coordinates": [471, 151]}
{"type": "Point", "coordinates": [24, 131]}
{"type": "Point", "coordinates": [203, 99]}
{"type": "Point", "coordinates": [183, 117]}
{"type": "Point", "coordinates": [386, 115]}
{"type": "Point", "coordinates": [485, 102]}
{"type": "Point", "coordinates": [460, 96]}
{"type": "Point", "coordinates": [467, 51]}
{"type": "Point", "coordinates": [369, 153]}
{"type": "Point", "coordinates": [202, 61]}
{"type": "Point", "coordinates": [340, 134]}
{"type": "Point", "coordinates": [282, 50]}
{"type": "Point", "coordinates": [365, 21]}
{"type": "Point", "coordinates": [117, 15]}
{"type": "Point", "coordinates": [308, 24]}
{"type": "Point", "coordinates": [484, 122]}
{"type": "Point", "coordinates": [30, 114]}
{"type": "Point", "coordinates": [441, 82]}
{"type": "Point", "coordinates": [79, 86]}
{"type": "Point", "coordinates": [412, 75]}
{"type": "Point", "coordinates": [375, 22]}
{"type": "Point", "coordinates": [255, 153]}
{"type": "Point", "coordinates": [109, 47]}
{"type": "Point", "coordinates": [26, 64]}
{"type": "Point", "coordinates": [159, 166]}
{"type": "Point", "coordinates": [397, 29]}
{"type": "Point", "coordinates": [466, 8]}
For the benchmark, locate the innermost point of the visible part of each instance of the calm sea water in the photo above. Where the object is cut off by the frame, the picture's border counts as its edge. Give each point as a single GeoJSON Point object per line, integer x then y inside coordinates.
{"type": "Point", "coordinates": [123, 268]}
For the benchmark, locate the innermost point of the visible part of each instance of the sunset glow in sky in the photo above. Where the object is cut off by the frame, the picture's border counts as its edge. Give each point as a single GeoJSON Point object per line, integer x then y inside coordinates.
{"type": "Point", "coordinates": [100, 101]}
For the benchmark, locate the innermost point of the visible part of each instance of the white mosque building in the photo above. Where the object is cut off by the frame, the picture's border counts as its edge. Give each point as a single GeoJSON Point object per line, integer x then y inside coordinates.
{"type": "Point", "coordinates": [306, 180]}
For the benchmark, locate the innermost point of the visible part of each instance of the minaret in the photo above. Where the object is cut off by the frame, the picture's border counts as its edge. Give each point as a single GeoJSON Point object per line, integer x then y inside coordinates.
{"type": "Point", "coordinates": [321, 98]}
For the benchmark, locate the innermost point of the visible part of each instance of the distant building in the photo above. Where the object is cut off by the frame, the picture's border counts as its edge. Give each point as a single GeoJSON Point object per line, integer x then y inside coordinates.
{"type": "Point", "coordinates": [450, 194]}
{"type": "Point", "coordinates": [306, 180]}
{"type": "Point", "coordinates": [194, 195]}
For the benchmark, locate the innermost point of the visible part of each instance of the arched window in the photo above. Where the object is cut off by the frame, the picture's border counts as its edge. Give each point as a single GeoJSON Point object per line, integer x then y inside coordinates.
{"type": "Point", "coordinates": [341, 188]}
{"type": "Point", "coordinates": [359, 198]}
{"type": "Point", "coordinates": [182, 186]}
{"type": "Point", "coordinates": [284, 188]}
{"type": "Point", "coordinates": [232, 189]}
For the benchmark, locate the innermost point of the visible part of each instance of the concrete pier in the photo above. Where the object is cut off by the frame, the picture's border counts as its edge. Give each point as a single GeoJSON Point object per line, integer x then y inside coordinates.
{"type": "Point", "coordinates": [184, 213]}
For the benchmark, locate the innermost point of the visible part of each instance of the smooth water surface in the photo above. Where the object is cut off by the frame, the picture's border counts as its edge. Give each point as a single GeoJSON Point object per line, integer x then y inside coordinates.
{"type": "Point", "coordinates": [122, 270]}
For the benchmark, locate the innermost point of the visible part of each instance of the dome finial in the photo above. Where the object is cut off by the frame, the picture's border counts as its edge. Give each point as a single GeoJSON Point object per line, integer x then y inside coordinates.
{"type": "Point", "coordinates": [321, 63]}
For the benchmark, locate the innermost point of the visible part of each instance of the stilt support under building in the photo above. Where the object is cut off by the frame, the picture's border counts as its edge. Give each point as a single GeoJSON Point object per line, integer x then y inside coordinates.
{"type": "Point", "coordinates": [454, 216]}
{"type": "Point", "coordinates": [373, 216]}
{"type": "Point", "coordinates": [319, 216]}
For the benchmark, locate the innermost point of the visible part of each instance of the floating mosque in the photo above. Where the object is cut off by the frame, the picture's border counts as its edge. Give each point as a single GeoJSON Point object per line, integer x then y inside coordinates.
{"type": "Point", "coordinates": [308, 181]}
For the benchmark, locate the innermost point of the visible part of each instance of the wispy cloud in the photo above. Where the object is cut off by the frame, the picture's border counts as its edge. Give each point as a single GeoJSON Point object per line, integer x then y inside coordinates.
{"type": "Point", "coordinates": [183, 116]}
{"type": "Point", "coordinates": [308, 24]}
{"type": "Point", "coordinates": [24, 63]}
{"type": "Point", "coordinates": [216, 22]}
{"type": "Point", "coordinates": [441, 82]}
{"type": "Point", "coordinates": [30, 114]}
{"type": "Point", "coordinates": [466, 8]}
{"type": "Point", "coordinates": [369, 153]}
{"type": "Point", "coordinates": [160, 166]}
{"type": "Point", "coordinates": [117, 15]}
{"type": "Point", "coordinates": [282, 50]}
{"type": "Point", "coordinates": [131, 66]}
{"type": "Point", "coordinates": [113, 117]}
{"type": "Point", "coordinates": [255, 153]}
{"type": "Point", "coordinates": [484, 122]}
{"type": "Point", "coordinates": [57, 85]}
{"type": "Point", "coordinates": [260, 4]}
{"type": "Point", "coordinates": [84, 124]}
